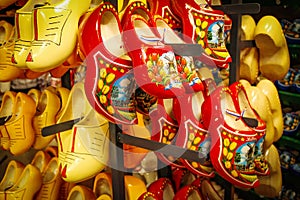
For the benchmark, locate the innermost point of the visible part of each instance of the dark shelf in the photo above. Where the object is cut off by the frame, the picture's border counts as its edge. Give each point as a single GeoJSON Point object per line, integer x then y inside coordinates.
{"type": "Point", "coordinates": [289, 99]}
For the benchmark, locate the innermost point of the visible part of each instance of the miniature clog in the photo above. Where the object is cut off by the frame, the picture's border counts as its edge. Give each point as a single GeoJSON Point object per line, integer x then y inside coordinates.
{"type": "Point", "coordinates": [182, 177]}
{"type": "Point", "coordinates": [35, 94]}
{"type": "Point", "coordinates": [274, 59]}
{"type": "Point", "coordinates": [109, 82]}
{"type": "Point", "coordinates": [55, 28]}
{"type": "Point", "coordinates": [63, 94]}
{"type": "Point", "coordinates": [81, 192]}
{"type": "Point", "coordinates": [47, 109]}
{"type": "Point", "coordinates": [148, 196]}
{"type": "Point", "coordinates": [24, 32]}
{"type": "Point", "coordinates": [90, 134]}
{"type": "Point", "coordinates": [7, 69]}
{"type": "Point", "coordinates": [51, 181]}
{"type": "Point", "coordinates": [65, 189]}
{"type": "Point", "coordinates": [27, 185]}
{"type": "Point", "coordinates": [208, 191]}
{"type": "Point", "coordinates": [103, 184]}
{"type": "Point", "coordinates": [19, 127]}
{"type": "Point", "coordinates": [7, 110]}
{"type": "Point", "coordinates": [13, 171]}
{"type": "Point", "coordinates": [269, 89]}
{"type": "Point", "coordinates": [6, 3]}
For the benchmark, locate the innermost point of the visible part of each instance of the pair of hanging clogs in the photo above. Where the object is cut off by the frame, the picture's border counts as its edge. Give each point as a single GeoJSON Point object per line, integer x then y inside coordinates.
{"type": "Point", "coordinates": [271, 51]}
{"type": "Point", "coordinates": [46, 33]}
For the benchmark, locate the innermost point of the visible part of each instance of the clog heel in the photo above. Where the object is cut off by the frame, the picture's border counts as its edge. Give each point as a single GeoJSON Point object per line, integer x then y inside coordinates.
{"type": "Point", "coordinates": [232, 141]}
{"type": "Point", "coordinates": [51, 181]}
{"type": "Point", "coordinates": [27, 185]}
{"type": "Point", "coordinates": [7, 110]}
{"type": "Point", "coordinates": [274, 59]}
{"type": "Point", "coordinates": [91, 134]}
{"type": "Point", "coordinates": [7, 69]}
{"type": "Point", "coordinates": [13, 171]}
{"type": "Point", "coordinates": [55, 33]}
{"type": "Point", "coordinates": [24, 32]}
{"type": "Point", "coordinates": [109, 72]}
{"type": "Point", "coordinates": [248, 56]}
{"type": "Point", "coordinates": [19, 127]}
{"type": "Point", "coordinates": [47, 109]}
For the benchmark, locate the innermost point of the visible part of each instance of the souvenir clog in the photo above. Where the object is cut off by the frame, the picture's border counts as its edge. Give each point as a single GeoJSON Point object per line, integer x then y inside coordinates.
{"type": "Point", "coordinates": [12, 172]}
{"type": "Point", "coordinates": [103, 184]}
{"type": "Point", "coordinates": [203, 26]}
{"type": "Point", "coordinates": [7, 110]}
{"type": "Point", "coordinates": [7, 69]}
{"type": "Point", "coordinates": [55, 28]}
{"type": "Point", "coordinates": [269, 89]}
{"type": "Point", "coordinates": [249, 56]}
{"type": "Point", "coordinates": [90, 134]}
{"type": "Point", "coordinates": [81, 192]}
{"type": "Point", "coordinates": [154, 63]}
{"type": "Point", "coordinates": [24, 32]}
{"type": "Point", "coordinates": [134, 187]}
{"type": "Point", "coordinates": [52, 150]}
{"type": "Point", "coordinates": [253, 120]}
{"type": "Point", "coordinates": [65, 189]}
{"type": "Point", "coordinates": [35, 94]}
{"type": "Point", "coordinates": [162, 188]}
{"type": "Point", "coordinates": [274, 59]}
{"type": "Point", "coordinates": [27, 185]}
{"type": "Point", "coordinates": [109, 82]}
{"type": "Point", "coordinates": [40, 160]}
{"type": "Point", "coordinates": [208, 191]}
{"type": "Point", "coordinates": [19, 127]}
{"type": "Point", "coordinates": [192, 134]}
{"type": "Point", "coordinates": [271, 185]}
{"type": "Point", "coordinates": [188, 192]}
{"type": "Point", "coordinates": [51, 181]}
{"type": "Point", "coordinates": [63, 94]}
{"type": "Point", "coordinates": [148, 196]}
{"type": "Point", "coordinates": [182, 177]}
{"type": "Point", "coordinates": [185, 64]}
{"type": "Point", "coordinates": [232, 141]}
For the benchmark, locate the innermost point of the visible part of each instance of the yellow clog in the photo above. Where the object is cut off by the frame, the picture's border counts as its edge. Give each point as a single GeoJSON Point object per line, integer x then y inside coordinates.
{"type": "Point", "coordinates": [274, 59]}
{"type": "Point", "coordinates": [24, 32]}
{"type": "Point", "coordinates": [55, 33]}
{"type": "Point", "coordinates": [13, 171]}
{"type": "Point", "coordinates": [85, 146]}
{"type": "Point", "coordinates": [271, 185]}
{"type": "Point", "coordinates": [63, 94]}
{"type": "Point", "coordinates": [19, 127]}
{"type": "Point", "coordinates": [27, 185]}
{"type": "Point", "coordinates": [40, 160]}
{"type": "Point", "coordinates": [7, 110]}
{"type": "Point", "coordinates": [270, 90]}
{"type": "Point", "coordinates": [65, 189]}
{"type": "Point", "coordinates": [81, 192]}
{"type": "Point", "coordinates": [248, 56]}
{"type": "Point", "coordinates": [51, 181]}
{"type": "Point", "coordinates": [52, 151]}
{"type": "Point", "coordinates": [134, 187]}
{"type": "Point", "coordinates": [256, 99]}
{"type": "Point", "coordinates": [7, 69]}
{"type": "Point", "coordinates": [103, 184]}
{"type": "Point", "coordinates": [35, 94]}
{"type": "Point", "coordinates": [47, 109]}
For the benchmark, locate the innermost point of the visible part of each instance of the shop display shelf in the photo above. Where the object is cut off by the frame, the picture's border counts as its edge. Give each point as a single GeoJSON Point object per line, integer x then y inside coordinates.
{"type": "Point", "coordinates": [290, 99]}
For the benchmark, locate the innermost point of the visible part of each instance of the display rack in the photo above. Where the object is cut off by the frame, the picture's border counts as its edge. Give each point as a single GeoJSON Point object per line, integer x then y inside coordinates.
{"type": "Point", "coordinates": [117, 138]}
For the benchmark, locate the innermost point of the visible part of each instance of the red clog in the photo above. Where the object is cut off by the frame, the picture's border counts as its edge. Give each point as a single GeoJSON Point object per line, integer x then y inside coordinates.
{"type": "Point", "coordinates": [232, 141]}
{"type": "Point", "coordinates": [256, 123]}
{"type": "Point", "coordinates": [162, 188]}
{"type": "Point", "coordinates": [205, 27]}
{"type": "Point", "coordinates": [109, 82]}
{"type": "Point", "coordinates": [163, 9]}
{"type": "Point", "coordinates": [164, 130]}
{"type": "Point", "coordinates": [192, 134]}
{"type": "Point", "coordinates": [188, 192]}
{"type": "Point", "coordinates": [148, 196]}
{"type": "Point", "coordinates": [153, 62]}
{"type": "Point", "coordinates": [185, 64]}
{"type": "Point", "coordinates": [182, 177]}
